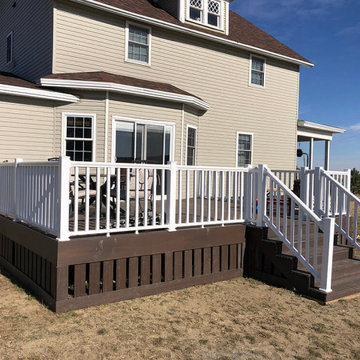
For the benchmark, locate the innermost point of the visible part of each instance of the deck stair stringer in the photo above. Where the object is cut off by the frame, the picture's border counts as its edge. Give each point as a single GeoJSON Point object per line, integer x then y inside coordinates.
{"type": "Point", "coordinates": [265, 261]}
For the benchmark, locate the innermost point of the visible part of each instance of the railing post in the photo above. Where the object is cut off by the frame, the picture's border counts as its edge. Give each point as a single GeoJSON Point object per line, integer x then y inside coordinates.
{"type": "Point", "coordinates": [261, 196]}
{"type": "Point", "coordinates": [16, 163]}
{"type": "Point", "coordinates": [317, 190]}
{"type": "Point", "coordinates": [248, 188]}
{"type": "Point", "coordinates": [171, 196]}
{"type": "Point", "coordinates": [304, 187]}
{"type": "Point", "coordinates": [348, 179]}
{"type": "Point", "coordinates": [327, 255]}
{"type": "Point", "coordinates": [63, 198]}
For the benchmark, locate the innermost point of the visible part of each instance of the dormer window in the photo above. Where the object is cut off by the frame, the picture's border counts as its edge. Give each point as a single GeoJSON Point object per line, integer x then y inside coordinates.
{"type": "Point", "coordinates": [214, 13]}
{"type": "Point", "coordinates": [196, 10]}
{"type": "Point", "coordinates": [206, 12]}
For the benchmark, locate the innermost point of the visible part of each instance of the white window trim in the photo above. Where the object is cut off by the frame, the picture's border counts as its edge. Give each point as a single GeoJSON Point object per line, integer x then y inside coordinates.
{"type": "Point", "coordinates": [250, 71]}
{"type": "Point", "coordinates": [237, 146]}
{"type": "Point", "coordinates": [64, 128]}
{"type": "Point", "coordinates": [186, 144]}
{"type": "Point", "coordinates": [127, 43]}
{"type": "Point", "coordinates": [11, 34]}
{"type": "Point", "coordinates": [116, 118]}
{"type": "Point", "coordinates": [204, 21]}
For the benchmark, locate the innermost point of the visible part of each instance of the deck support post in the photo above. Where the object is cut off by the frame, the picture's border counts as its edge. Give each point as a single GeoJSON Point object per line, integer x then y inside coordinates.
{"type": "Point", "coordinates": [327, 255]}
{"type": "Point", "coordinates": [171, 197]}
{"type": "Point", "coordinates": [261, 196]}
{"type": "Point", "coordinates": [63, 198]}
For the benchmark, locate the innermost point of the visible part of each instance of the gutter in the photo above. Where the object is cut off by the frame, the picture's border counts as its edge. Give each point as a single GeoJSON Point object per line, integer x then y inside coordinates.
{"type": "Point", "coordinates": [37, 93]}
{"type": "Point", "coordinates": [114, 10]}
{"type": "Point", "coordinates": [126, 89]}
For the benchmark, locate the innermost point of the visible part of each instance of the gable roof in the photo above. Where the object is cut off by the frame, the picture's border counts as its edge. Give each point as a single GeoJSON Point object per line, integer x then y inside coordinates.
{"type": "Point", "coordinates": [241, 32]}
{"type": "Point", "coordinates": [13, 85]}
{"type": "Point", "coordinates": [105, 81]}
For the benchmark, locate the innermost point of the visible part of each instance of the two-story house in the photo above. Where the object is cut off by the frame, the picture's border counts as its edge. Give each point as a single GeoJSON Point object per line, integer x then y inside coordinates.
{"type": "Point", "coordinates": [139, 80]}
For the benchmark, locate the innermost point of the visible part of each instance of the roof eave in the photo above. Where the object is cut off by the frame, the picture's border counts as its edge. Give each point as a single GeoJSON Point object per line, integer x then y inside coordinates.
{"type": "Point", "coordinates": [36, 93]}
{"type": "Point", "coordinates": [316, 126]}
{"type": "Point", "coordinates": [164, 24]}
{"type": "Point", "coordinates": [128, 90]}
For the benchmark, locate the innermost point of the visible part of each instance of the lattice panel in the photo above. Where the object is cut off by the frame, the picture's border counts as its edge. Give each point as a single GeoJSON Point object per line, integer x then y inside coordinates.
{"type": "Point", "coordinates": [196, 3]}
{"type": "Point", "coordinates": [214, 7]}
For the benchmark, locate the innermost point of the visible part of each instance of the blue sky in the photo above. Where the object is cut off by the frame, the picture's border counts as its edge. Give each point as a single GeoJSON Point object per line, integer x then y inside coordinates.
{"type": "Point", "coordinates": [327, 32]}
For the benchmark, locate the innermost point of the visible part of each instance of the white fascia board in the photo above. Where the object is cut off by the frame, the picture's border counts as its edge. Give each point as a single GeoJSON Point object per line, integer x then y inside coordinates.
{"type": "Point", "coordinates": [126, 89]}
{"type": "Point", "coordinates": [316, 126]}
{"type": "Point", "coordinates": [312, 134]}
{"type": "Point", "coordinates": [166, 25]}
{"type": "Point", "coordinates": [38, 94]}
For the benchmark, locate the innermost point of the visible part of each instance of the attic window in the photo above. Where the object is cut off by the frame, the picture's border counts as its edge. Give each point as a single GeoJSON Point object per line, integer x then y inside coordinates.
{"type": "Point", "coordinates": [213, 13]}
{"type": "Point", "coordinates": [196, 10]}
{"type": "Point", "coordinates": [206, 12]}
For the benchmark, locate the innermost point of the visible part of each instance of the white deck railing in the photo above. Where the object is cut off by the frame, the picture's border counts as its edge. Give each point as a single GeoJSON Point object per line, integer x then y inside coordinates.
{"type": "Point", "coordinates": [337, 201]}
{"type": "Point", "coordinates": [211, 195]}
{"type": "Point", "coordinates": [296, 225]}
{"type": "Point", "coordinates": [68, 199]}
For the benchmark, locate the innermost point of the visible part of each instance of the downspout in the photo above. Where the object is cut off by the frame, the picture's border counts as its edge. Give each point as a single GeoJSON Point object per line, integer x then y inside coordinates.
{"type": "Point", "coordinates": [106, 126]}
{"type": "Point", "coordinates": [182, 134]}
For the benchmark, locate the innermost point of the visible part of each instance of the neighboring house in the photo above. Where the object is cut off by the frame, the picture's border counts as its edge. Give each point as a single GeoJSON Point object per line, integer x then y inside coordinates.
{"type": "Point", "coordinates": [217, 88]}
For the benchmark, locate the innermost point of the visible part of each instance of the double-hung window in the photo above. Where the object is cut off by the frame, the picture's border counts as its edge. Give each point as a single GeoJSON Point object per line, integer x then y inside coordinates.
{"type": "Point", "coordinates": [244, 149]}
{"type": "Point", "coordinates": [79, 137]}
{"type": "Point", "coordinates": [9, 48]}
{"type": "Point", "coordinates": [191, 146]}
{"type": "Point", "coordinates": [138, 44]}
{"type": "Point", "coordinates": [206, 12]}
{"type": "Point", "coordinates": [257, 71]}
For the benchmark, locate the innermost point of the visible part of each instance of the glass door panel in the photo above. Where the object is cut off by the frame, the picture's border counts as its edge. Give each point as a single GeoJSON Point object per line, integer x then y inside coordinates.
{"type": "Point", "coordinates": [124, 142]}
{"type": "Point", "coordinates": [154, 144]}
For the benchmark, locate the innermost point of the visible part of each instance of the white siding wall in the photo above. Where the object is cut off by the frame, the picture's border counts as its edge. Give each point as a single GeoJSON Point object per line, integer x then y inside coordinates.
{"type": "Point", "coordinates": [32, 23]}
{"type": "Point", "coordinates": [89, 40]}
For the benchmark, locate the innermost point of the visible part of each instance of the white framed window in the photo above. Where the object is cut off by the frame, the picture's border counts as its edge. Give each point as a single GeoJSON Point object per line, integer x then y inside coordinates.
{"type": "Point", "coordinates": [191, 142]}
{"type": "Point", "coordinates": [244, 149]}
{"type": "Point", "coordinates": [257, 71]}
{"type": "Point", "coordinates": [9, 48]}
{"type": "Point", "coordinates": [206, 12]}
{"type": "Point", "coordinates": [138, 44]}
{"type": "Point", "coordinates": [142, 141]}
{"type": "Point", "coordinates": [79, 136]}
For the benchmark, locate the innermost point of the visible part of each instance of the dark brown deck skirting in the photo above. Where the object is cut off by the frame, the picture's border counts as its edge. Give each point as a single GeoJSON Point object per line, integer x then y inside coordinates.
{"type": "Point", "coordinates": [146, 290]}
{"type": "Point", "coordinates": [98, 269]}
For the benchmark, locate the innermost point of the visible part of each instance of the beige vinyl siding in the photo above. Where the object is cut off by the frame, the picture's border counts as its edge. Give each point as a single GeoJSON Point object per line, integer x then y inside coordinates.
{"type": "Point", "coordinates": [217, 73]}
{"type": "Point", "coordinates": [27, 129]}
{"type": "Point", "coordinates": [144, 109]}
{"type": "Point", "coordinates": [31, 23]}
{"type": "Point", "coordinates": [91, 103]}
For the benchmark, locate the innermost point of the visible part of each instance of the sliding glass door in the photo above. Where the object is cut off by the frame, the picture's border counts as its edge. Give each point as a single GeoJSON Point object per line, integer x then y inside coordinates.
{"type": "Point", "coordinates": [143, 142]}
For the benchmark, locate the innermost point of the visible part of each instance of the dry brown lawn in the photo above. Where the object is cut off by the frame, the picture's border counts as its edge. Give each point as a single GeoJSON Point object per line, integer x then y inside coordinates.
{"type": "Point", "coordinates": [238, 319]}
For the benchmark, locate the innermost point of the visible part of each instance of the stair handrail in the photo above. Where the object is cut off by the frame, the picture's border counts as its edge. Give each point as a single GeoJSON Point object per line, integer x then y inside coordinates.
{"type": "Point", "coordinates": [336, 202]}
{"type": "Point", "coordinates": [326, 225]}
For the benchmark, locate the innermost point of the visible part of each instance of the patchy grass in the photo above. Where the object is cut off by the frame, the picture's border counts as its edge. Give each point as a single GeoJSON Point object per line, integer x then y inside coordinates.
{"type": "Point", "coordinates": [238, 319]}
